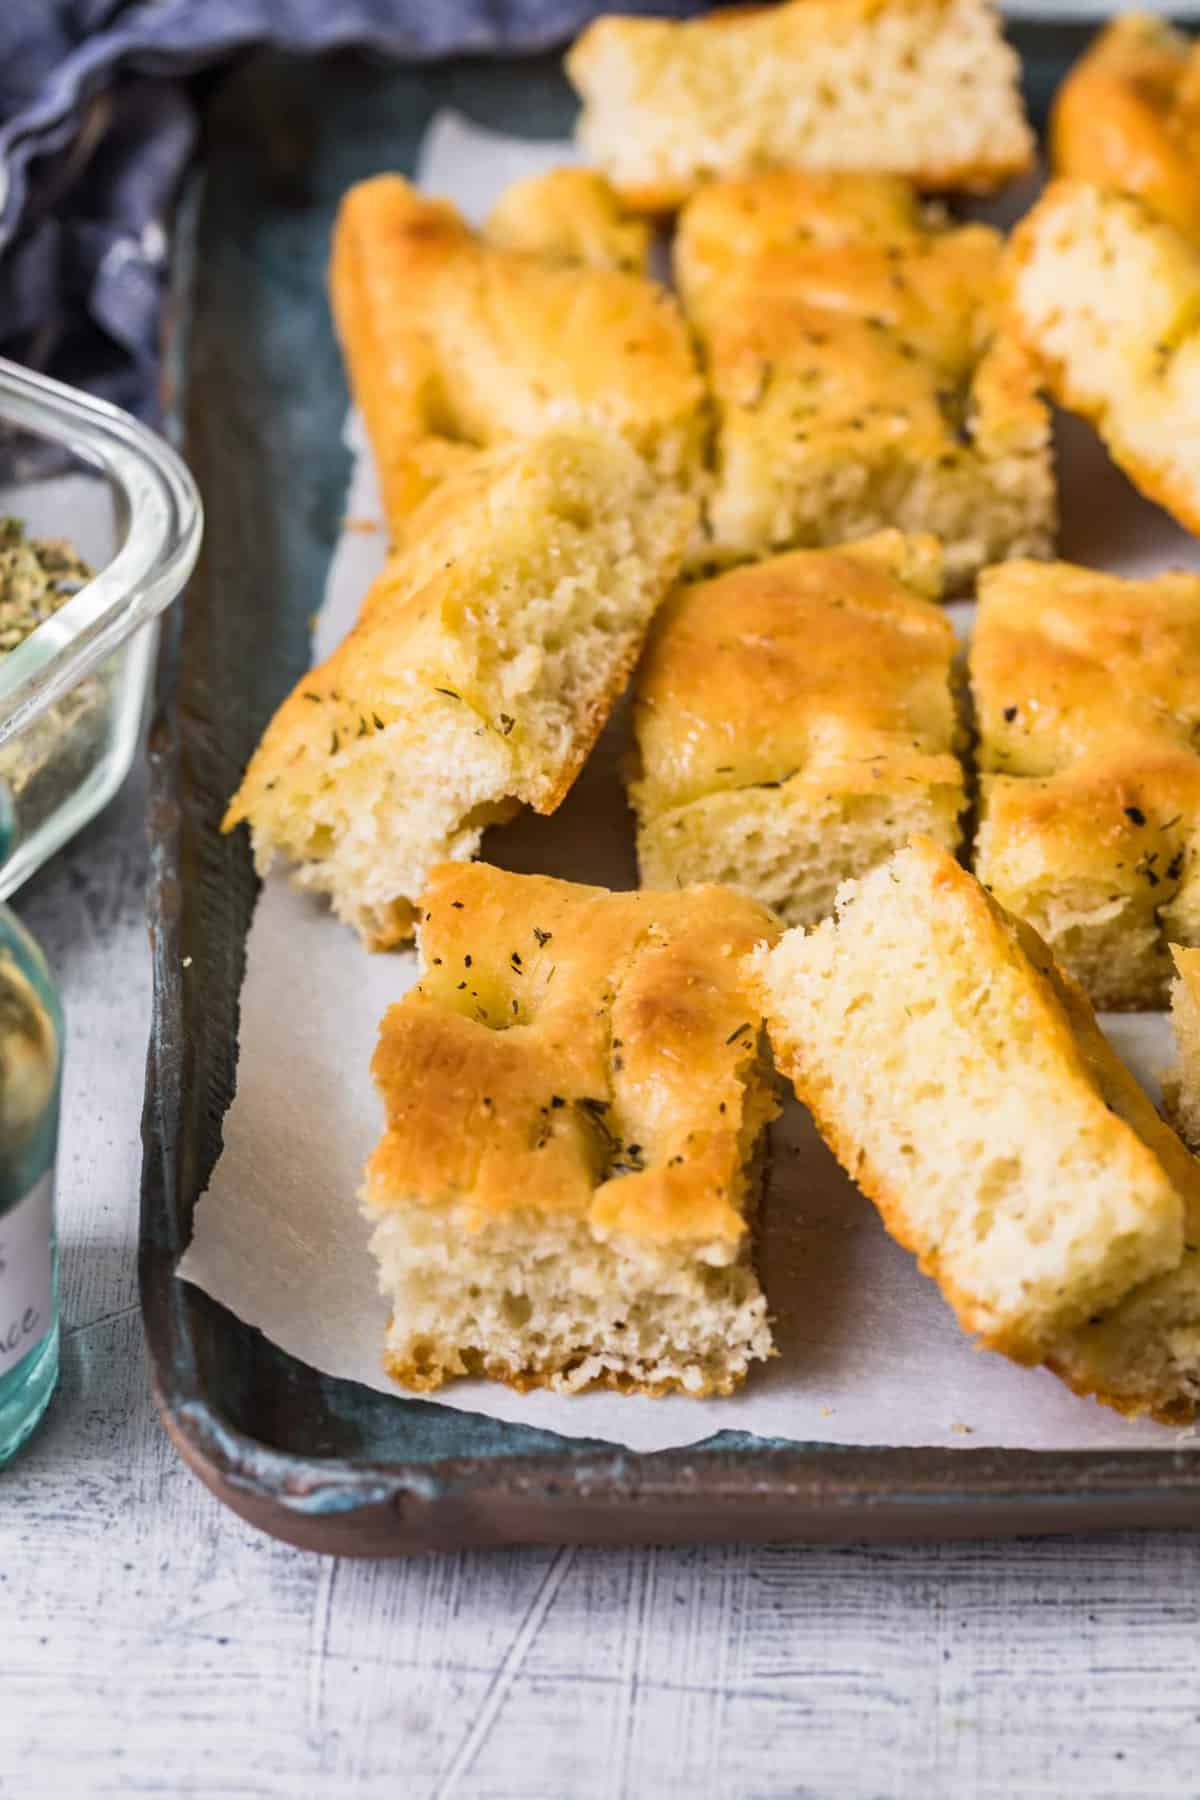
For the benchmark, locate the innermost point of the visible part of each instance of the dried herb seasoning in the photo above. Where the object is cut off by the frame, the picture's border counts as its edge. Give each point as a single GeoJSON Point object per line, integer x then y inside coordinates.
{"type": "Point", "coordinates": [37, 577]}
{"type": "Point", "coordinates": [43, 764]}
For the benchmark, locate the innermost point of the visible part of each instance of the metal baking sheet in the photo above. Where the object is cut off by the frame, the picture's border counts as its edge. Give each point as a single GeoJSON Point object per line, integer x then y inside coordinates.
{"type": "Point", "coordinates": [322, 1462]}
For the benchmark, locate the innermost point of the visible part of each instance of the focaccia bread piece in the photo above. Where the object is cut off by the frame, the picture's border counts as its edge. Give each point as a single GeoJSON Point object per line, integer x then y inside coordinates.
{"type": "Point", "coordinates": [964, 1084]}
{"type": "Point", "coordinates": [1087, 698]}
{"type": "Point", "coordinates": [1181, 1083]}
{"type": "Point", "coordinates": [1107, 296]}
{"type": "Point", "coordinates": [453, 344]}
{"type": "Point", "coordinates": [922, 88]}
{"type": "Point", "coordinates": [795, 723]}
{"type": "Point", "coordinates": [565, 1190]}
{"type": "Point", "coordinates": [571, 215]}
{"type": "Point", "coordinates": [485, 660]}
{"type": "Point", "coordinates": [860, 373]}
{"type": "Point", "coordinates": [1128, 117]}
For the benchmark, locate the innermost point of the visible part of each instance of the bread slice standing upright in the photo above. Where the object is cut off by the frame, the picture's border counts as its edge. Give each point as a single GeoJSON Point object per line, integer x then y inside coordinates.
{"type": "Point", "coordinates": [484, 663]}
{"type": "Point", "coordinates": [962, 1081]}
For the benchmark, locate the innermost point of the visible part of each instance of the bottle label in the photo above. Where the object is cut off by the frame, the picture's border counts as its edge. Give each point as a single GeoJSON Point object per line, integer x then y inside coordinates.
{"type": "Point", "coordinates": [26, 1273]}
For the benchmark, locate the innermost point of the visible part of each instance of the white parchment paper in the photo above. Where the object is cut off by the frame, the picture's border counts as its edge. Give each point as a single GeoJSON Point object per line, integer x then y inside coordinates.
{"type": "Point", "coordinates": [869, 1353]}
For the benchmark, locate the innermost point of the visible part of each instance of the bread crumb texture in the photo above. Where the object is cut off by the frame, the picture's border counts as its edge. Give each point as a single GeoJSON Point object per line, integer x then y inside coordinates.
{"type": "Point", "coordinates": [1086, 690]}
{"type": "Point", "coordinates": [1181, 1083]}
{"type": "Point", "coordinates": [1107, 296]}
{"type": "Point", "coordinates": [454, 344]}
{"type": "Point", "coordinates": [575, 1096]}
{"type": "Point", "coordinates": [961, 1079]}
{"type": "Point", "coordinates": [796, 723]}
{"type": "Point", "coordinates": [923, 88]}
{"type": "Point", "coordinates": [861, 373]}
{"type": "Point", "coordinates": [484, 663]}
{"type": "Point", "coordinates": [1128, 117]}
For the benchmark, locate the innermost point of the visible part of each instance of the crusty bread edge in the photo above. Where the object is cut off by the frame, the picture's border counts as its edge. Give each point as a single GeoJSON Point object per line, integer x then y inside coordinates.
{"type": "Point", "coordinates": [525, 1380]}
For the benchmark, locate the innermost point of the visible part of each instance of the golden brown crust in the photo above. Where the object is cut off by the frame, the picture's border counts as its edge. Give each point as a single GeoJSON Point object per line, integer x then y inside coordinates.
{"type": "Point", "coordinates": [755, 677]}
{"type": "Point", "coordinates": [860, 371]}
{"type": "Point", "coordinates": [568, 1049]}
{"type": "Point", "coordinates": [1128, 117]}
{"type": "Point", "coordinates": [1187, 967]}
{"type": "Point", "coordinates": [923, 88]}
{"type": "Point", "coordinates": [1175, 493]}
{"type": "Point", "coordinates": [485, 660]}
{"type": "Point", "coordinates": [570, 215]}
{"type": "Point", "coordinates": [422, 1378]}
{"type": "Point", "coordinates": [453, 344]}
{"type": "Point", "coordinates": [1090, 661]}
{"type": "Point", "coordinates": [406, 644]}
{"type": "Point", "coordinates": [1087, 697]}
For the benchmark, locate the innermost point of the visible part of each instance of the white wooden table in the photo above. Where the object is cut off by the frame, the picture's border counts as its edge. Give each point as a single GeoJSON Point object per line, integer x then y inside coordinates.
{"type": "Point", "coordinates": [152, 1644]}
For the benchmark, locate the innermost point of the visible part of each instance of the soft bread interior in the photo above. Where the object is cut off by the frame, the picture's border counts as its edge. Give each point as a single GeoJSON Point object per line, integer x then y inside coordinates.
{"type": "Point", "coordinates": [1181, 1083]}
{"type": "Point", "coordinates": [791, 846]}
{"type": "Point", "coordinates": [1108, 297]}
{"type": "Point", "coordinates": [542, 1302]}
{"type": "Point", "coordinates": [927, 90]}
{"type": "Point", "coordinates": [974, 1099]}
{"type": "Point", "coordinates": [575, 1096]}
{"type": "Point", "coordinates": [482, 668]}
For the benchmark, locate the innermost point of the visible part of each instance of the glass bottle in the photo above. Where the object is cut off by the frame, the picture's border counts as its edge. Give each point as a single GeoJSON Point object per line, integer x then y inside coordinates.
{"type": "Point", "coordinates": [30, 1069]}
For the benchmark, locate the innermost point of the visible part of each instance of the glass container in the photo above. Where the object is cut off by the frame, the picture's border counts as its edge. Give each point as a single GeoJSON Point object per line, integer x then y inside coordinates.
{"type": "Point", "coordinates": [73, 695]}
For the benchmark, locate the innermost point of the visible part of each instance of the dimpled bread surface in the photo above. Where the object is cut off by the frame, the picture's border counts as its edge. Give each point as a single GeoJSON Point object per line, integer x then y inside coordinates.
{"type": "Point", "coordinates": [575, 1096]}
{"type": "Point", "coordinates": [861, 374]}
{"type": "Point", "coordinates": [1086, 690]}
{"type": "Point", "coordinates": [796, 723]}
{"type": "Point", "coordinates": [485, 660]}
{"type": "Point", "coordinates": [453, 344]}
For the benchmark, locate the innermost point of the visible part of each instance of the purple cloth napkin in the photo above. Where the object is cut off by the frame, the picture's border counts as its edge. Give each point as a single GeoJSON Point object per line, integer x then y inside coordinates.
{"type": "Point", "coordinates": [96, 127]}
